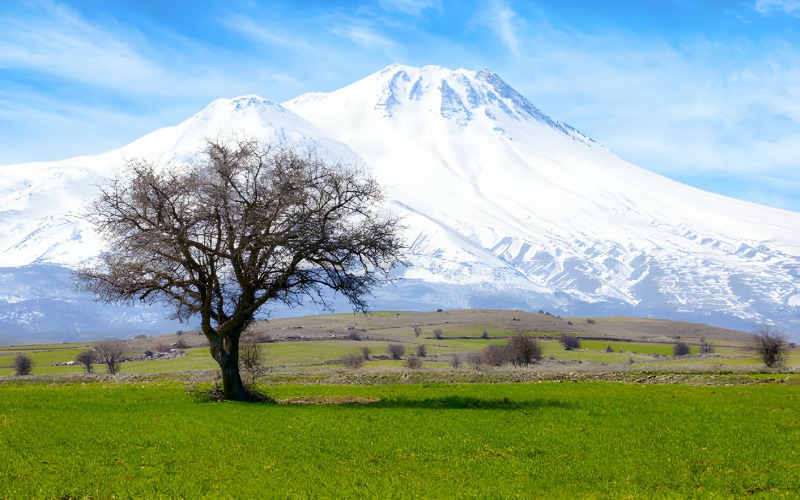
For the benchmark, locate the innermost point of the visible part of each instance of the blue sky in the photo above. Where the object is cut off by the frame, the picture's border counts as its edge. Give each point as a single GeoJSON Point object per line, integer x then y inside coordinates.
{"type": "Point", "coordinates": [705, 92]}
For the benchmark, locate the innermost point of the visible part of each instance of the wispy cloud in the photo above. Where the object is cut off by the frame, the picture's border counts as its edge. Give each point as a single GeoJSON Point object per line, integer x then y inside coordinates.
{"type": "Point", "coordinates": [410, 7]}
{"type": "Point", "coordinates": [366, 37]}
{"type": "Point", "coordinates": [503, 21]}
{"type": "Point", "coordinates": [767, 7]}
{"type": "Point", "coordinates": [263, 32]}
{"type": "Point", "coordinates": [59, 43]}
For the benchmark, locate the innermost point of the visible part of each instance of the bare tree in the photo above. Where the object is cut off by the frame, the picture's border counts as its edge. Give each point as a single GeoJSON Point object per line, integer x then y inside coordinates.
{"type": "Point", "coordinates": [417, 331]}
{"type": "Point", "coordinates": [772, 346]}
{"type": "Point", "coordinates": [87, 359]}
{"type": "Point", "coordinates": [524, 350]}
{"type": "Point", "coordinates": [437, 332]}
{"type": "Point", "coordinates": [243, 225]}
{"type": "Point", "coordinates": [108, 352]}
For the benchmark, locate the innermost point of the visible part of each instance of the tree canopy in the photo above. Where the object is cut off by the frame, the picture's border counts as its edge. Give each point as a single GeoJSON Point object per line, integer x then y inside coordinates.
{"type": "Point", "coordinates": [244, 224]}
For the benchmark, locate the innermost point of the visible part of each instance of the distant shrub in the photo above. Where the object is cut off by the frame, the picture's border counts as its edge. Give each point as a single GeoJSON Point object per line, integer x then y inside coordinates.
{"type": "Point", "coordinates": [414, 362]}
{"type": "Point", "coordinates": [88, 359]}
{"type": "Point", "coordinates": [772, 347]}
{"type": "Point", "coordinates": [609, 349]}
{"type": "Point", "coordinates": [109, 352]}
{"type": "Point", "coordinates": [180, 344]}
{"type": "Point", "coordinates": [706, 348]}
{"type": "Point", "coordinates": [569, 342]}
{"type": "Point", "coordinates": [680, 349]}
{"type": "Point", "coordinates": [485, 334]}
{"type": "Point", "coordinates": [569, 322]}
{"type": "Point", "coordinates": [179, 333]}
{"type": "Point", "coordinates": [631, 361]}
{"type": "Point", "coordinates": [520, 350]}
{"type": "Point", "coordinates": [524, 350]}
{"type": "Point", "coordinates": [353, 361]}
{"type": "Point", "coordinates": [417, 331]}
{"type": "Point", "coordinates": [162, 348]}
{"type": "Point", "coordinates": [396, 351]}
{"type": "Point", "coordinates": [22, 365]}
{"type": "Point", "coordinates": [422, 351]}
{"type": "Point", "coordinates": [437, 333]}
{"type": "Point", "coordinates": [590, 321]}
{"type": "Point", "coordinates": [455, 362]}
{"type": "Point", "coordinates": [366, 352]}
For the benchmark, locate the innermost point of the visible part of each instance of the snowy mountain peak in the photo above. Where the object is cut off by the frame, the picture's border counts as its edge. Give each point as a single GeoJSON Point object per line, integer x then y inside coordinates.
{"type": "Point", "coordinates": [460, 97]}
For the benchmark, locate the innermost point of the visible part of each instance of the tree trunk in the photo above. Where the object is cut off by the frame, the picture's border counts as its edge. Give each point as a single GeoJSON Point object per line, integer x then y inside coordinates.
{"type": "Point", "coordinates": [226, 352]}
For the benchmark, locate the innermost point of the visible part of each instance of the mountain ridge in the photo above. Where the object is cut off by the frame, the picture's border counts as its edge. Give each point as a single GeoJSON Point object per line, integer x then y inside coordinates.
{"type": "Point", "coordinates": [505, 205]}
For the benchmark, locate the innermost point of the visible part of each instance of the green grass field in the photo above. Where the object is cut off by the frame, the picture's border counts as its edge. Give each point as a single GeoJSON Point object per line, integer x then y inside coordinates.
{"type": "Point", "coordinates": [107, 439]}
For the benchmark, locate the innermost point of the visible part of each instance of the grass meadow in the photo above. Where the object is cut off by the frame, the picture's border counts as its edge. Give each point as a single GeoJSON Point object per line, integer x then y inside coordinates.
{"type": "Point", "coordinates": [586, 423]}
{"type": "Point", "coordinates": [587, 439]}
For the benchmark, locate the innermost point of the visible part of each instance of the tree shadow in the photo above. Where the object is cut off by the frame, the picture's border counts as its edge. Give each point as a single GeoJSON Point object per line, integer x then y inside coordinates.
{"type": "Point", "coordinates": [467, 403]}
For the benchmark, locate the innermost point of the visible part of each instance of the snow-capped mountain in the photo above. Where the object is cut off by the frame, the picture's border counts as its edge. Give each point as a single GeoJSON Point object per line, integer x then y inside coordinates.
{"type": "Point", "coordinates": [505, 207]}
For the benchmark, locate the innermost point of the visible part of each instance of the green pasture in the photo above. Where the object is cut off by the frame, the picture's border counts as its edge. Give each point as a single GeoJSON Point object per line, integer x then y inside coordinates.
{"type": "Point", "coordinates": [601, 439]}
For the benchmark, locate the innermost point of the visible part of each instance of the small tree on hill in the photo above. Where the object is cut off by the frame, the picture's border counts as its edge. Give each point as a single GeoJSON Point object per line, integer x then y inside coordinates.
{"type": "Point", "coordinates": [422, 351]}
{"type": "Point", "coordinates": [772, 347]}
{"type": "Point", "coordinates": [417, 331]}
{"type": "Point", "coordinates": [437, 333]}
{"type": "Point", "coordinates": [22, 365]}
{"type": "Point", "coordinates": [243, 225]}
{"type": "Point", "coordinates": [88, 359]}
{"type": "Point", "coordinates": [109, 352]}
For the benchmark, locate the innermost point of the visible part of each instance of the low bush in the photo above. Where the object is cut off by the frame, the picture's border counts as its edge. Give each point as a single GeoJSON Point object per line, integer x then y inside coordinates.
{"type": "Point", "coordinates": [366, 352]}
{"type": "Point", "coordinates": [680, 349]}
{"type": "Point", "coordinates": [414, 362]}
{"type": "Point", "coordinates": [437, 333]}
{"type": "Point", "coordinates": [455, 362]}
{"type": "Point", "coordinates": [422, 351]}
{"type": "Point", "coordinates": [353, 361]}
{"type": "Point", "coordinates": [570, 342]}
{"type": "Point", "coordinates": [22, 365]}
{"type": "Point", "coordinates": [396, 351]}
{"type": "Point", "coordinates": [417, 331]}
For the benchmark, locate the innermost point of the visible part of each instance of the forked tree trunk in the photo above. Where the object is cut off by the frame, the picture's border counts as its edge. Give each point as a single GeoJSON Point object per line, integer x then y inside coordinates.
{"type": "Point", "coordinates": [226, 353]}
